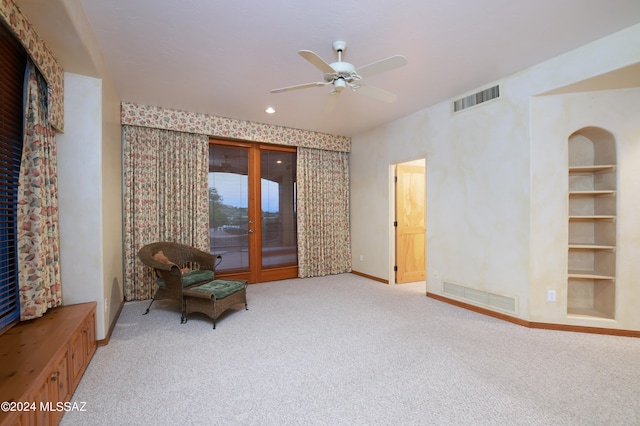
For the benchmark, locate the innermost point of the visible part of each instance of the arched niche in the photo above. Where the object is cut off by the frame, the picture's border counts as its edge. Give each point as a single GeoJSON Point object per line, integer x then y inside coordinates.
{"type": "Point", "coordinates": [592, 146]}
{"type": "Point", "coordinates": [592, 223]}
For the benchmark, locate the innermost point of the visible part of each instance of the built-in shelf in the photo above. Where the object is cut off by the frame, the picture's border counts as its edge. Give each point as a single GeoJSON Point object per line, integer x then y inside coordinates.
{"type": "Point", "coordinates": [591, 271]}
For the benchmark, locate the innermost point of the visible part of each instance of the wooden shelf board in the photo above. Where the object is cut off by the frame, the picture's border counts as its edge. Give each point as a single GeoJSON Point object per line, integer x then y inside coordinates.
{"type": "Point", "coordinates": [594, 193]}
{"type": "Point", "coordinates": [591, 169]}
{"type": "Point", "coordinates": [589, 275]}
{"type": "Point", "coordinates": [587, 312]}
{"type": "Point", "coordinates": [590, 247]}
{"type": "Point", "coordinates": [593, 217]}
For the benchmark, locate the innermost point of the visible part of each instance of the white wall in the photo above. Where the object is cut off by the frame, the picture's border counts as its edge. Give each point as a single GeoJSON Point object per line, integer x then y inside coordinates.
{"type": "Point", "coordinates": [80, 194]}
{"type": "Point", "coordinates": [479, 178]}
{"type": "Point", "coordinates": [90, 198]}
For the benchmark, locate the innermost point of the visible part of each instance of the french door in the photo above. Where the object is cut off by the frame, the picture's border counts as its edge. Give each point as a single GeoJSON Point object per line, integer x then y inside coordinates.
{"type": "Point", "coordinates": [252, 210]}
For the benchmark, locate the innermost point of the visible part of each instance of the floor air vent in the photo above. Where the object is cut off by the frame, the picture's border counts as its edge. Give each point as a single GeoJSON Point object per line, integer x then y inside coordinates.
{"type": "Point", "coordinates": [479, 297]}
{"type": "Point", "coordinates": [476, 98]}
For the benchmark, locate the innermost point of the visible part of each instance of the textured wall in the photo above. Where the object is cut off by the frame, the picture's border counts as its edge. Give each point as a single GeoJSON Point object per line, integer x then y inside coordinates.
{"type": "Point", "coordinates": [490, 178]}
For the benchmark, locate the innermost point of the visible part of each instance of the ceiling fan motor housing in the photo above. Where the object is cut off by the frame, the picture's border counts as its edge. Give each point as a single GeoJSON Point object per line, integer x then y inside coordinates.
{"type": "Point", "coordinates": [343, 70]}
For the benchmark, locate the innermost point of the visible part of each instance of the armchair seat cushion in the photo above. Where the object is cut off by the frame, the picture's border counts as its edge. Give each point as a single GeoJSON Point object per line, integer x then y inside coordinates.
{"type": "Point", "coordinates": [193, 277]}
{"type": "Point", "coordinates": [219, 288]}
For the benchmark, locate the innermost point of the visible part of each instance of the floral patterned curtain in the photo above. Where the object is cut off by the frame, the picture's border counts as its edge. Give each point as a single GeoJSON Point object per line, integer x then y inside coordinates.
{"type": "Point", "coordinates": [38, 254]}
{"type": "Point", "coordinates": [324, 241]}
{"type": "Point", "coordinates": [166, 197]}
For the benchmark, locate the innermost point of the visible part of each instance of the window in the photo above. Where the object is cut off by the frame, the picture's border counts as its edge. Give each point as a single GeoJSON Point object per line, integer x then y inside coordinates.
{"type": "Point", "coordinates": [12, 71]}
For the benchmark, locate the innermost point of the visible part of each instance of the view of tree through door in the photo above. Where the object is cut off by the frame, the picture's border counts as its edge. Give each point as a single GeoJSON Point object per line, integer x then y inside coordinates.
{"type": "Point", "coordinates": [252, 210]}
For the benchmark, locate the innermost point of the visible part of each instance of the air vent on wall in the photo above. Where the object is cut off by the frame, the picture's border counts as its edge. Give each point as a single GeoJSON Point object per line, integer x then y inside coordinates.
{"type": "Point", "coordinates": [479, 297]}
{"type": "Point", "coordinates": [477, 98]}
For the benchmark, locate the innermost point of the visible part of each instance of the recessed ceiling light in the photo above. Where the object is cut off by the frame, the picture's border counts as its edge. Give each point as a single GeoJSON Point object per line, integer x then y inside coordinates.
{"type": "Point", "coordinates": [270, 110]}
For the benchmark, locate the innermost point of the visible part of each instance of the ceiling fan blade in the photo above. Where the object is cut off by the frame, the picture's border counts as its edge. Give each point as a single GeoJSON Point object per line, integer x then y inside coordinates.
{"type": "Point", "coordinates": [331, 102]}
{"type": "Point", "coordinates": [317, 61]}
{"type": "Point", "coordinates": [382, 66]}
{"type": "Point", "coordinates": [375, 93]}
{"type": "Point", "coordinates": [299, 86]}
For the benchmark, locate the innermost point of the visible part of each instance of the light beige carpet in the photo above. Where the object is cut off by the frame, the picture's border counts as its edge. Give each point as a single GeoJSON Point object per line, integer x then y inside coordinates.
{"type": "Point", "coordinates": [344, 350]}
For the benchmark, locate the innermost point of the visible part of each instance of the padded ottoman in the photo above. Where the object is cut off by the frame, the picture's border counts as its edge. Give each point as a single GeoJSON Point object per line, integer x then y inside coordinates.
{"type": "Point", "coordinates": [214, 297]}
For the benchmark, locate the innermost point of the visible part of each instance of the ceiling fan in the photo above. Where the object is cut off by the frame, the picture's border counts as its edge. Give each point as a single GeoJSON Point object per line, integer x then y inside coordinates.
{"type": "Point", "coordinates": [342, 74]}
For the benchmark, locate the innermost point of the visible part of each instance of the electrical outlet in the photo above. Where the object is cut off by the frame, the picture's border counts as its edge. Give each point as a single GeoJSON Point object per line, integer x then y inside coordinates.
{"type": "Point", "coordinates": [436, 278]}
{"type": "Point", "coordinates": [361, 258]}
{"type": "Point", "coordinates": [106, 305]}
{"type": "Point", "coordinates": [551, 295]}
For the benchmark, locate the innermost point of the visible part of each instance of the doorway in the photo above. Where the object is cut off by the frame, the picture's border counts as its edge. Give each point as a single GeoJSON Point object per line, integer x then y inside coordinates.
{"type": "Point", "coordinates": [410, 221]}
{"type": "Point", "coordinates": [252, 210]}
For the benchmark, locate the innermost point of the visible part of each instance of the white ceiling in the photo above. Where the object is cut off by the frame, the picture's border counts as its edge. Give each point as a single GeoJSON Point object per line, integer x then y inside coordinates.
{"type": "Point", "coordinates": [223, 57]}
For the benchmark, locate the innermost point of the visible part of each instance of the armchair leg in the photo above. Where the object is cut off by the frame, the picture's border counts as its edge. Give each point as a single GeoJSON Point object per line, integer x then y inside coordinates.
{"type": "Point", "coordinates": [149, 307]}
{"type": "Point", "coordinates": [183, 318]}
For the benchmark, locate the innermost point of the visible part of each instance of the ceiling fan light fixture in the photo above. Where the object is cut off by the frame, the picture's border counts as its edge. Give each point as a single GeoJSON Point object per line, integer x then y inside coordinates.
{"type": "Point", "coordinates": [339, 84]}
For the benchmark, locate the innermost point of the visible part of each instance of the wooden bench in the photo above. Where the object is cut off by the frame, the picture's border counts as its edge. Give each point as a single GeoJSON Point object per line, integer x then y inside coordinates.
{"type": "Point", "coordinates": [42, 362]}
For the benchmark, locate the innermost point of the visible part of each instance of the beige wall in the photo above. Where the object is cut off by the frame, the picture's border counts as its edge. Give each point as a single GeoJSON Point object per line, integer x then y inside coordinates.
{"type": "Point", "coordinates": [486, 226]}
{"type": "Point", "coordinates": [553, 119]}
{"type": "Point", "coordinates": [112, 255]}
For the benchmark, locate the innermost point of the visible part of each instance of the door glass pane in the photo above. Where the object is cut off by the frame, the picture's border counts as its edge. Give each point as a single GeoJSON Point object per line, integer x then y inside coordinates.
{"type": "Point", "coordinates": [278, 192]}
{"type": "Point", "coordinates": [228, 206]}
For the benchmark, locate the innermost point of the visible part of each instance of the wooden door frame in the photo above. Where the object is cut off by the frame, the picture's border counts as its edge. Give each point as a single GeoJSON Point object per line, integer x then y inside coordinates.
{"type": "Point", "coordinates": [392, 215]}
{"type": "Point", "coordinates": [256, 274]}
